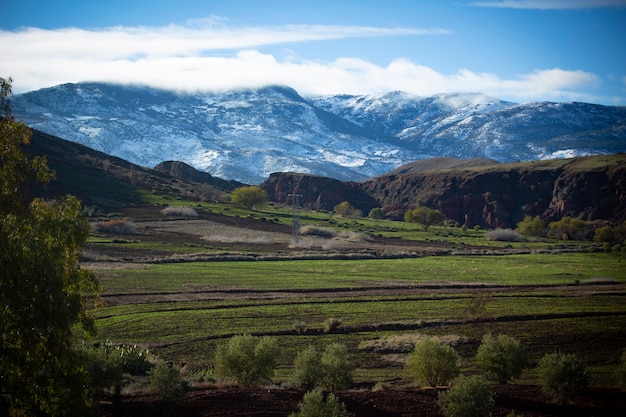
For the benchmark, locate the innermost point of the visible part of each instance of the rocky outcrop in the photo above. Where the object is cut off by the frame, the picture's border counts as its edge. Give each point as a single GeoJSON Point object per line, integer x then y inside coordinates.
{"type": "Point", "coordinates": [315, 192]}
{"type": "Point", "coordinates": [489, 195]}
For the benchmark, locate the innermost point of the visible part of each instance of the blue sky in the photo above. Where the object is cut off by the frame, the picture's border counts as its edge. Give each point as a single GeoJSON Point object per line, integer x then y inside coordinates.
{"type": "Point", "coordinates": [517, 50]}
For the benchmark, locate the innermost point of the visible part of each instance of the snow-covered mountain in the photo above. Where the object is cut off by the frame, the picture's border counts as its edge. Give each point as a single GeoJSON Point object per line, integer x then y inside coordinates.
{"type": "Point", "coordinates": [247, 134]}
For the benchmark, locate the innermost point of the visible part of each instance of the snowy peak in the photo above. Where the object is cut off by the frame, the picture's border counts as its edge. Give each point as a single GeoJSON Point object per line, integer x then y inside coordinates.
{"type": "Point", "coordinates": [247, 134]}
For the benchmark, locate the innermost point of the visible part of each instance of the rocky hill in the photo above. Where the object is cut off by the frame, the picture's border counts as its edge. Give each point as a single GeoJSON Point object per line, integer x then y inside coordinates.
{"type": "Point", "coordinates": [246, 135]}
{"type": "Point", "coordinates": [492, 195]}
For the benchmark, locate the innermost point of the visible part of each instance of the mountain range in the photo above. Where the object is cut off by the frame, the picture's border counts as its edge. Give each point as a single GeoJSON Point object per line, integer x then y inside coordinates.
{"type": "Point", "coordinates": [245, 135]}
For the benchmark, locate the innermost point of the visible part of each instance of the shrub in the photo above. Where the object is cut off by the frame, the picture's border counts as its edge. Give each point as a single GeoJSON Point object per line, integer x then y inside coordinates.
{"type": "Point", "coordinates": [299, 326]}
{"type": "Point", "coordinates": [433, 363]}
{"type": "Point", "coordinates": [167, 384]}
{"type": "Point", "coordinates": [249, 196]}
{"type": "Point", "coordinates": [331, 324]}
{"type": "Point", "coordinates": [337, 369]}
{"type": "Point", "coordinates": [568, 229]}
{"type": "Point", "coordinates": [503, 235]}
{"type": "Point", "coordinates": [330, 369]}
{"type": "Point", "coordinates": [561, 376]}
{"type": "Point", "coordinates": [468, 397]}
{"type": "Point", "coordinates": [307, 368]}
{"type": "Point", "coordinates": [247, 359]}
{"type": "Point", "coordinates": [179, 211]}
{"type": "Point", "coordinates": [376, 213]}
{"type": "Point", "coordinates": [115, 227]}
{"type": "Point", "coordinates": [502, 357]}
{"type": "Point", "coordinates": [532, 227]}
{"type": "Point", "coordinates": [313, 405]}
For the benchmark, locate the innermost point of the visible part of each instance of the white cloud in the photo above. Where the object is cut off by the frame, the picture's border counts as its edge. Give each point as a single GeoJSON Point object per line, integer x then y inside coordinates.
{"type": "Point", "coordinates": [203, 56]}
{"type": "Point", "coordinates": [551, 4]}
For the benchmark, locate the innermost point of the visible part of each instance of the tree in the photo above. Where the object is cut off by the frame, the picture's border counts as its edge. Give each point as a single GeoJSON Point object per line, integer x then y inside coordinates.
{"type": "Point", "coordinates": [376, 213]}
{"type": "Point", "coordinates": [424, 216]}
{"type": "Point", "coordinates": [346, 209]}
{"type": "Point", "coordinates": [307, 370]}
{"type": "Point", "coordinates": [43, 290]}
{"type": "Point", "coordinates": [561, 376]}
{"type": "Point", "coordinates": [247, 359]}
{"type": "Point", "coordinates": [568, 228]}
{"type": "Point", "coordinates": [167, 384]}
{"type": "Point", "coordinates": [532, 227]}
{"type": "Point", "coordinates": [336, 367]}
{"type": "Point", "coordinates": [313, 405]}
{"type": "Point", "coordinates": [432, 363]}
{"type": "Point", "coordinates": [249, 196]}
{"type": "Point", "coordinates": [468, 397]}
{"type": "Point", "coordinates": [502, 356]}
{"type": "Point", "coordinates": [330, 369]}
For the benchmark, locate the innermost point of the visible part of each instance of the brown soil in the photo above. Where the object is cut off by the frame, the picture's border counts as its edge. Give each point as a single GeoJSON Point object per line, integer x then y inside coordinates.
{"type": "Point", "coordinates": [524, 400]}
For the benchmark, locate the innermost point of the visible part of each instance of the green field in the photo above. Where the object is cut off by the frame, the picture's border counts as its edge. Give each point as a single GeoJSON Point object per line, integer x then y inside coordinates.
{"type": "Point", "coordinates": [567, 301]}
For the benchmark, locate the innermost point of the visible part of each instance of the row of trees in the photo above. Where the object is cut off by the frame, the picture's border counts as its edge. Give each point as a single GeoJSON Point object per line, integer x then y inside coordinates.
{"type": "Point", "coordinates": [251, 360]}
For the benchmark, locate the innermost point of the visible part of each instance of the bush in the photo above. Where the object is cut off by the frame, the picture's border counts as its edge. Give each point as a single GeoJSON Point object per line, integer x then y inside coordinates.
{"type": "Point", "coordinates": [331, 324]}
{"type": "Point", "coordinates": [330, 369]}
{"type": "Point", "coordinates": [532, 227]}
{"type": "Point", "coordinates": [502, 357]}
{"type": "Point", "coordinates": [503, 235]}
{"type": "Point", "coordinates": [249, 196]}
{"type": "Point", "coordinates": [336, 368]}
{"type": "Point", "coordinates": [307, 369]}
{"type": "Point", "coordinates": [179, 211]}
{"type": "Point", "coordinates": [115, 227]}
{"type": "Point", "coordinates": [376, 213]}
{"type": "Point", "coordinates": [313, 405]}
{"type": "Point", "coordinates": [167, 384]}
{"type": "Point", "coordinates": [561, 376]}
{"type": "Point", "coordinates": [247, 359]}
{"type": "Point", "coordinates": [468, 397]}
{"type": "Point", "coordinates": [433, 363]}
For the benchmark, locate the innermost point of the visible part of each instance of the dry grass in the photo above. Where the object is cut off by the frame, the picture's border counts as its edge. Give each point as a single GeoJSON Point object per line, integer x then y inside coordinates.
{"type": "Point", "coordinates": [404, 343]}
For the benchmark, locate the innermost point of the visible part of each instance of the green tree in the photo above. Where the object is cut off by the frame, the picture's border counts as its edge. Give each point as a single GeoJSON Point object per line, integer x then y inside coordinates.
{"type": "Point", "coordinates": [532, 227]}
{"type": "Point", "coordinates": [249, 196]}
{"type": "Point", "coordinates": [568, 228]}
{"type": "Point", "coordinates": [502, 356]}
{"type": "Point", "coordinates": [348, 210]}
{"type": "Point", "coordinates": [433, 363]}
{"type": "Point", "coordinates": [424, 216]}
{"type": "Point", "coordinates": [167, 384]}
{"type": "Point", "coordinates": [247, 359]}
{"type": "Point", "coordinates": [43, 291]}
{"type": "Point", "coordinates": [336, 367]}
{"type": "Point", "coordinates": [561, 376]}
{"type": "Point", "coordinates": [376, 213]}
{"type": "Point", "coordinates": [314, 405]}
{"type": "Point", "coordinates": [468, 397]}
{"type": "Point", "coordinates": [307, 369]}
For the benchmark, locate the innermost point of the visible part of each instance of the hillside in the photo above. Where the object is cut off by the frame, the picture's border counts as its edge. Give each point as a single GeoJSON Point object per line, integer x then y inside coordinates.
{"type": "Point", "coordinates": [475, 193]}
{"type": "Point", "coordinates": [470, 192]}
{"type": "Point", "coordinates": [245, 135]}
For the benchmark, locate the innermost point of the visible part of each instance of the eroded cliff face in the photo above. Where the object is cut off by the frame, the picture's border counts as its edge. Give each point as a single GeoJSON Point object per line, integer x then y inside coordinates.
{"type": "Point", "coordinates": [591, 188]}
{"type": "Point", "coordinates": [315, 192]}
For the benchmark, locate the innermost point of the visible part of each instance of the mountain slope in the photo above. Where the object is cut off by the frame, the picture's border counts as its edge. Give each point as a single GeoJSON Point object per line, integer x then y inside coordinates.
{"type": "Point", "coordinates": [246, 135]}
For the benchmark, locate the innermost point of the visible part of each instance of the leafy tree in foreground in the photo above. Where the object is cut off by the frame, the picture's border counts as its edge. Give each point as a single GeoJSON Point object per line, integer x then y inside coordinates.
{"type": "Point", "coordinates": [502, 356]}
{"type": "Point", "coordinates": [468, 397]}
{"type": "Point", "coordinates": [432, 363]}
{"type": "Point", "coordinates": [42, 289]}
{"type": "Point", "coordinates": [249, 196]}
{"type": "Point", "coordinates": [247, 359]}
{"type": "Point", "coordinates": [336, 367]}
{"type": "Point", "coordinates": [561, 376]}
{"type": "Point", "coordinates": [167, 384]}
